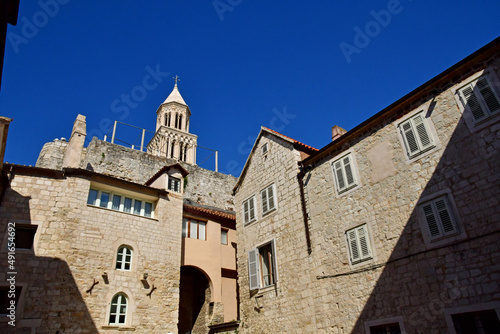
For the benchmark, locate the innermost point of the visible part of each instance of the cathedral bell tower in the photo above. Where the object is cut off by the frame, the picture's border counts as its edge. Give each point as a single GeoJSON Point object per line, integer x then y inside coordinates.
{"type": "Point", "coordinates": [172, 138]}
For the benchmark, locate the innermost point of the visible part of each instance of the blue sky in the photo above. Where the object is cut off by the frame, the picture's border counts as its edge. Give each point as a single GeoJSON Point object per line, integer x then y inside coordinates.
{"type": "Point", "coordinates": [297, 67]}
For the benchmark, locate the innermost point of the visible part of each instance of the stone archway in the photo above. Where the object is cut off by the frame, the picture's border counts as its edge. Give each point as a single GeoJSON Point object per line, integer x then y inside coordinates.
{"type": "Point", "coordinates": [194, 301]}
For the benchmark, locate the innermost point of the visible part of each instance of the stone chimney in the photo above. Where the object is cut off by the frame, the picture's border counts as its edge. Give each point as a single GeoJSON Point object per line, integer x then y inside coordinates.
{"type": "Point", "coordinates": [337, 132]}
{"type": "Point", "coordinates": [75, 145]}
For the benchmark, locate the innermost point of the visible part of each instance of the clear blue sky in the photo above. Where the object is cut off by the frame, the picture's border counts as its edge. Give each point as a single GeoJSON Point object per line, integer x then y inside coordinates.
{"type": "Point", "coordinates": [295, 66]}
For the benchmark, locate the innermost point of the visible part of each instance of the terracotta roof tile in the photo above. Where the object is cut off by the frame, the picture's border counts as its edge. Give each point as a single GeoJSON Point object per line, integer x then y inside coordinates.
{"type": "Point", "coordinates": [300, 144]}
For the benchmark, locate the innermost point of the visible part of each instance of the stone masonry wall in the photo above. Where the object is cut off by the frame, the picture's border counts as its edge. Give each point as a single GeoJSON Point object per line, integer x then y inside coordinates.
{"type": "Point", "coordinates": [52, 154]}
{"type": "Point", "coordinates": [76, 243]}
{"type": "Point", "coordinates": [286, 307]}
{"type": "Point", "coordinates": [416, 281]}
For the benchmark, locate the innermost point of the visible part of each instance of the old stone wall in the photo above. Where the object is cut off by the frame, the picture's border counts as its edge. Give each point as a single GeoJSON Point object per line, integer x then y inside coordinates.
{"type": "Point", "coordinates": [287, 306]}
{"type": "Point", "coordinates": [52, 154]}
{"type": "Point", "coordinates": [76, 244]}
{"type": "Point", "coordinates": [408, 277]}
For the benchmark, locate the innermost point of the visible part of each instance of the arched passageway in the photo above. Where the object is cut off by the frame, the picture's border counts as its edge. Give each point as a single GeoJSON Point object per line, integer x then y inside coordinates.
{"type": "Point", "coordinates": [194, 301]}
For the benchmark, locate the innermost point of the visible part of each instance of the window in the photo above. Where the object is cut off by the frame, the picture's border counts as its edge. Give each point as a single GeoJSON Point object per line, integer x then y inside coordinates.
{"type": "Point", "coordinates": [344, 172]}
{"type": "Point", "coordinates": [264, 148]}
{"type": "Point", "coordinates": [109, 200]}
{"type": "Point", "coordinates": [124, 258]}
{"type": "Point", "coordinates": [359, 244]}
{"type": "Point", "coordinates": [174, 184]}
{"type": "Point", "coordinates": [439, 218]}
{"type": "Point", "coordinates": [6, 295]}
{"type": "Point", "coordinates": [267, 196]}
{"type": "Point", "coordinates": [480, 98]}
{"type": "Point", "coordinates": [25, 235]}
{"type": "Point", "coordinates": [223, 236]}
{"type": "Point", "coordinates": [118, 311]}
{"type": "Point", "coordinates": [262, 266]}
{"type": "Point", "coordinates": [481, 322]}
{"type": "Point", "coordinates": [193, 229]}
{"type": "Point", "coordinates": [249, 210]}
{"type": "Point", "coordinates": [416, 136]}
{"type": "Point", "coordinates": [386, 329]}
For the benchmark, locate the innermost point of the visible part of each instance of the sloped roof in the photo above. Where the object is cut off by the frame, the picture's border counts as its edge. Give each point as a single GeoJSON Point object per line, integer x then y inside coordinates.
{"type": "Point", "coordinates": [165, 169]}
{"type": "Point", "coordinates": [175, 96]}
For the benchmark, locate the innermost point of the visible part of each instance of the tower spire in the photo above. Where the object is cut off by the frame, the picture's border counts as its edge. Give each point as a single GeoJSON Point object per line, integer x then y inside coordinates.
{"type": "Point", "coordinates": [176, 78]}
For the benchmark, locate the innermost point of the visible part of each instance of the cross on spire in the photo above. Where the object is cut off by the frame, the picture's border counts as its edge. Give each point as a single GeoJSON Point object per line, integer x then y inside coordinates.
{"type": "Point", "coordinates": [176, 78]}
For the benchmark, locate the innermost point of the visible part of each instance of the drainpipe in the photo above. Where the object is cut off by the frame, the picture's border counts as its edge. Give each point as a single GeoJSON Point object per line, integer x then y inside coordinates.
{"type": "Point", "coordinates": [300, 177]}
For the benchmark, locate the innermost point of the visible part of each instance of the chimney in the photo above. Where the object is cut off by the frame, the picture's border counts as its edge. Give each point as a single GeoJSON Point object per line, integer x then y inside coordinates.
{"type": "Point", "coordinates": [337, 132]}
{"type": "Point", "coordinates": [75, 146]}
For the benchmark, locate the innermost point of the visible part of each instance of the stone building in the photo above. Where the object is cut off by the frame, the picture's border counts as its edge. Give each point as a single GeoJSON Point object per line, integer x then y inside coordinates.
{"type": "Point", "coordinates": [111, 239]}
{"type": "Point", "coordinates": [393, 227]}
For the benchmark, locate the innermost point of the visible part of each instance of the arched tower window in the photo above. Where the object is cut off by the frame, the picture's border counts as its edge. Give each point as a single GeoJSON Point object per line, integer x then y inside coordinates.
{"type": "Point", "coordinates": [118, 311]}
{"type": "Point", "coordinates": [172, 146]}
{"type": "Point", "coordinates": [180, 122]}
{"type": "Point", "coordinates": [124, 258]}
{"type": "Point", "coordinates": [184, 158]}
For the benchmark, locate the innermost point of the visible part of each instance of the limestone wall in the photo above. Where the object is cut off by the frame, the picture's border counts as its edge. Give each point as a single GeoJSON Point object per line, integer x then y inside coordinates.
{"type": "Point", "coordinates": [76, 244]}
{"type": "Point", "coordinates": [52, 154]}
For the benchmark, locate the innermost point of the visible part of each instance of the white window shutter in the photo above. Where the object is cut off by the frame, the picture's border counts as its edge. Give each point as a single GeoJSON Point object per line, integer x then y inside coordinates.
{"type": "Point", "coordinates": [364, 243]}
{"type": "Point", "coordinates": [264, 201]}
{"type": "Point", "coordinates": [432, 222]}
{"type": "Point", "coordinates": [246, 212]}
{"type": "Point", "coordinates": [275, 264]}
{"type": "Point", "coordinates": [410, 139]}
{"type": "Point", "coordinates": [348, 171]}
{"type": "Point", "coordinates": [353, 245]}
{"type": "Point", "coordinates": [445, 216]}
{"type": "Point", "coordinates": [253, 269]}
{"type": "Point", "coordinates": [339, 176]}
{"type": "Point", "coordinates": [471, 101]}
{"type": "Point", "coordinates": [271, 197]}
{"type": "Point", "coordinates": [489, 97]}
{"type": "Point", "coordinates": [422, 132]}
{"type": "Point", "coordinates": [252, 209]}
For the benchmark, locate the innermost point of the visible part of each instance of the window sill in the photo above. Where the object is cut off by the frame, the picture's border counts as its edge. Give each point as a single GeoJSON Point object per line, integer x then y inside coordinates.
{"type": "Point", "coordinates": [348, 190]}
{"type": "Point", "coordinates": [119, 328]}
{"type": "Point", "coordinates": [117, 211]}
{"type": "Point", "coordinates": [264, 214]}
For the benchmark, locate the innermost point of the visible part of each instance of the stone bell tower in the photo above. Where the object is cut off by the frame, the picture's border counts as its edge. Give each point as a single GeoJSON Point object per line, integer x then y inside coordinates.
{"type": "Point", "coordinates": [172, 138]}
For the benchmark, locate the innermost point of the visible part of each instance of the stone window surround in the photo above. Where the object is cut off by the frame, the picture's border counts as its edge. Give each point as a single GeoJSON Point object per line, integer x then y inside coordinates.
{"type": "Point", "coordinates": [350, 226]}
{"type": "Point", "coordinates": [468, 308]}
{"type": "Point", "coordinates": [461, 235]}
{"type": "Point", "coordinates": [135, 256]}
{"type": "Point", "coordinates": [37, 223]}
{"type": "Point", "coordinates": [246, 223]}
{"type": "Point", "coordinates": [386, 321]}
{"type": "Point", "coordinates": [121, 264]}
{"type": "Point", "coordinates": [261, 291]}
{"type": "Point", "coordinates": [469, 120]}
{"type": "Point", "coordinates": [130, 310]}
{"type": "Point", "coordinates": [424, 109]}
{"type": "Point", "coordinates": [275, 199]}
{"type": "Point", "coordinates": [20, 303]}
{"type": "Point", "coordinates": [355, 171]}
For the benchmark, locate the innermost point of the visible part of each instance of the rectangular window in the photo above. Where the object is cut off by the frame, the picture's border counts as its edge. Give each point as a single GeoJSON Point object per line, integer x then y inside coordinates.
{"type": "Point", "coordinates": [249, 210]}
{"type": "Point", "coordinates": [223, 236]}
{"type": "Point", "coordinates": [345, 177]}
{"type": "Point", "coordinates": [481, 322]}
{"type": "Point", "coordinates": [386, 329]}
{"type": "Point", "coordinates": [416, 136]}
{"type": "Point", "coordinates": [6, 297]}
{"type": "Point", "coordinates": [264, 148]}
{"type": "Point", "coordinates": [480, 98]}
{"type": "Point", "coordinates": [262, 266]}
{"type": "Point", "coordinates": [267, 196]}
{"type": "Point", "coordinates": [120, 203]}
{"type": "Point", "coordinates": [359, 244]}
{"type": "Point", "coordinates": [174, 184]}
{"type": "Point", "coordinates": [439, 218]}
{"type": "Point", "coordinates": [25, 235]}
{"type": "Point", "coordinates": [193, 229]}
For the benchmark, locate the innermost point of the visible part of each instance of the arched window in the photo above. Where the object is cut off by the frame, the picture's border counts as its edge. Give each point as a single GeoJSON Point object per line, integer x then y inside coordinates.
{"type": "Point", "coordinates": [180, 122]}
{"type": "Point", "coordinates": [172, 146]}
{"type": "Point", "coordinates": [184, 158]}
{"type": "Point", "coordinates": [124, 258]}
{"type": "Point", "coordinates": [118, 311]}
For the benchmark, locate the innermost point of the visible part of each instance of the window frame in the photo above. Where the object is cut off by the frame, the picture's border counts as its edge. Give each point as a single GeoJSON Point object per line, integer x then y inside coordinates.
{"type": "Point", "coordinates": [485, 109]}
{"type": "Point", "coordinates": [187, 222]}
{"type": "Point", "coordinates": [117, 314]}
{"type": "Point", "coordinates": [272, 189]}
{"type": "Point", "coordinates": [448, 313]}
{"type": "Point", "coordinates": [354, 173]}
{"type": "Point", "coordinates": [265, 149]}
{"type": "Point", "coordinates": [385, 321]}
{"type": "Point", "coordinates": [256, 279]}
{"type": "Point", "coordinates": [426, 123]}
{"type": "Point", "coordinates": [110, 203]}
{"type": "Point", "coordinates": [123, 262]}
{"type": "Point", "coordinates": [224, 231]}
{"type": "Point", "coordinates": [355, 232]}
{"type": "Point", "coordinates": [177, 182]}
{"type": "Point", "coordinates": [253, 200]}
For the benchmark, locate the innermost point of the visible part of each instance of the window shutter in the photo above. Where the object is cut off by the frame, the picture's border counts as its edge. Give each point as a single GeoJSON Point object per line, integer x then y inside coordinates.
{"type": "Point", "coordinates": [339, 175]}
{"type": "Point", "coordinates": [431, 220]}
{"type": "Point", "coordinates": [363, 242]}
{"type": "Point", "coordinates": [253, 269]}
{"type": "Point", "coordinates": [275, 273]}
{"type": "Point", "coordinates": [252, 209]}
{"type": "Point", "coordinates": [410, 140]}
{"type": "Point", "coordinates": [246, 212]}
{"type": "Point", "coordinates": [271, 197]}
{"type": "Point", "coordinates": [348, 171]}
{"type": "Point", "coordinates": [488, 95]}
{"type": "Point", "coordinates": [423, 135]}
{"type": "Point", "coordinates": [444, 216]}
{"type": "Point", "coordinates": [353, 245]}
{"type": "Point", "coordinates": [184, 228]}
{"type": "Point", "coordinates": [472, 102]}
{"type": "Point", "coordinates": [264, 201]}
